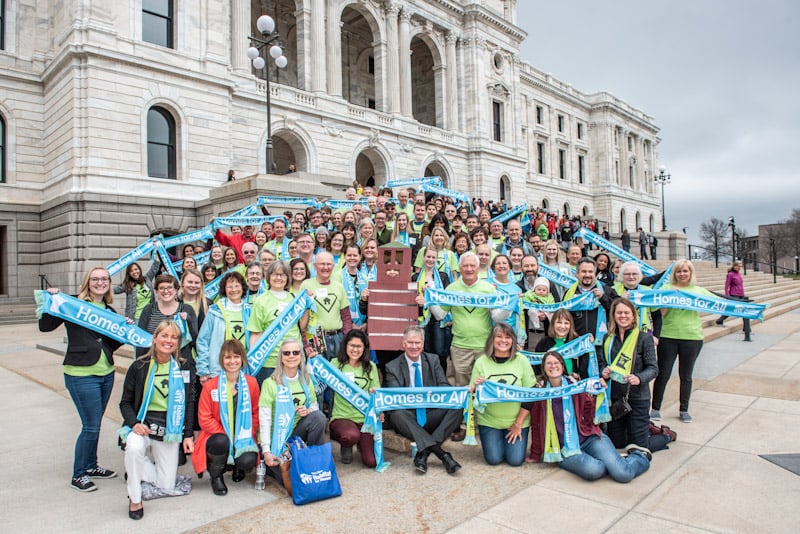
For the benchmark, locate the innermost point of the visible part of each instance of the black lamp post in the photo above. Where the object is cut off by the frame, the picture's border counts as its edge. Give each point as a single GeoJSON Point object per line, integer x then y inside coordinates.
{"type": "Point", "coordinates": [732, 225]}
{"type": "Point", "coordinates": [663, 178]}
{"type": "Point", "coordinates": [266, 25]}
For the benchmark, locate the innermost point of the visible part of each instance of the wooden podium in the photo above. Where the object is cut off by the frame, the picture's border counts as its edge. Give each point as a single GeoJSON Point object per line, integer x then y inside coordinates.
{"type": "Point", "coordinates": [392, 302]}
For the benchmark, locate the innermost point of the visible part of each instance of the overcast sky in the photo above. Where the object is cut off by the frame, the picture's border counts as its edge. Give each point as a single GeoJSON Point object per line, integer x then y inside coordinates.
{"type": "Point", "coordinates": [720, 77]}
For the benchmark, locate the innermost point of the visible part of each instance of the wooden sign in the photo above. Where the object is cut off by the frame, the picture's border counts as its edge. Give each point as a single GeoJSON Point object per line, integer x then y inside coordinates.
{"type": "Point", "coordinates": [392, 298]}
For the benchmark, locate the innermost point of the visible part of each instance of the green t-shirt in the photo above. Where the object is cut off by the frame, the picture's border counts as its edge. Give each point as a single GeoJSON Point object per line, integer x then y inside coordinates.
{"type": "Point", "coordinates": [471, 326]}
{"type": "Point", "coordinates": [234, 324]}
{"type": "Point", "coordinates": [330, 300]}
{"type": "Point", "coordinates": [516, 372]}
{"type": "Point", "coordinates": [265, 310]}
{"type": "Point", "coordinates": [269, 391]}
{"type": "Point", "coordinates": [443, 257]}
{"type": "Point", "coordinates": [366, 381]}
{"type": "Point", "coordinates": [102, 367]}
{"type": "Point", "coordinates": [684, 324]}
{"type": "Point", "coordinates": [143, 297]}
{"type": "Point", "coordinates": [160, 396]}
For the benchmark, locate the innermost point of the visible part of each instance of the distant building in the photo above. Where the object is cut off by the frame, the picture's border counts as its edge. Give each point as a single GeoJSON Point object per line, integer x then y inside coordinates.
{"type": "Point", "coordinates": [118, 118]}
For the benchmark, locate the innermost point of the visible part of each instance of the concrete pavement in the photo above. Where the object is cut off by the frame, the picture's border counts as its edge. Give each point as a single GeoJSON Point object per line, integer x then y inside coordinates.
{"type": "Point", "coordinates": [746, 403]}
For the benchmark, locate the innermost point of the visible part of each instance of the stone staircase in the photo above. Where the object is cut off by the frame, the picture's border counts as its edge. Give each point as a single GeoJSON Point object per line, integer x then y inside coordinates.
{"type": "Point", "coordinates": [782, 297]}
{"type": "Point", "coordinates": [17, 311]}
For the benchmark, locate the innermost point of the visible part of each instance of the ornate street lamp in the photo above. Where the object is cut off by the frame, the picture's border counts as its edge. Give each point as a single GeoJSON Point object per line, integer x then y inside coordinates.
{"type": "Point", "coordinates": [266, 26]}
{"type": "Point", "coordinates": [663, 178]}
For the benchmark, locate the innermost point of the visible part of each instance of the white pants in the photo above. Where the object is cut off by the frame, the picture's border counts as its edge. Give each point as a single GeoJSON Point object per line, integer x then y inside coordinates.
{"type": "Point", "coordinates": [140, 468]}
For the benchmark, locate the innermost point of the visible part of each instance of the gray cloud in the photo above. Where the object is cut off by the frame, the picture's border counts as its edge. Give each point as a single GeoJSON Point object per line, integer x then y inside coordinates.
{"type": "Point", "coordinates": [720, 78]}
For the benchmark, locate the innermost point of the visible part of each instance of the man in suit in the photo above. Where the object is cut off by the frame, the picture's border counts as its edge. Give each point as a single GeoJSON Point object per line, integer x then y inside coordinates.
{"type": "Point", "coordinates": [415, 368]}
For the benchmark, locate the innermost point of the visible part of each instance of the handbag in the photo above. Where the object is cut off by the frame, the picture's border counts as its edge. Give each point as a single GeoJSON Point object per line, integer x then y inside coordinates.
{"type": "Point", "coordinates": [620, 407]}
{"type": "Point", "coordinates": [312, 472]}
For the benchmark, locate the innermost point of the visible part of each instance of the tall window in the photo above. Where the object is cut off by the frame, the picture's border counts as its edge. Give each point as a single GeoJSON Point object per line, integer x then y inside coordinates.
{"type": "Point", "coordinates": [580, 130]}
{"type": "Point", "coordinates": [2, 24]}
{"type": "Point", "coordinates": [562, 163]}
{"type": "Point", "coordinates": [581, 170]}
{"type": "Point", "coordinates": [497, 121]}
{"type": "Point", "coordinates": [2, 149]}
{"type": "Point", "coordinates": [561, 123]}
{"type": "Point", "coordinates": [540, 158]}
{"type": "Point", "coordinates": [631, 174]}
{"type": "Point", "coordinates": [539, 114]}
{"type": "Point", "coordinates": [160, 144]}
{"type": "Point", "coordinates": [157, 23]}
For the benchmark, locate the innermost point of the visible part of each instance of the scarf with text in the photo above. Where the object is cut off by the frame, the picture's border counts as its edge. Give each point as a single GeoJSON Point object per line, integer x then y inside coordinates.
{"type": "Point", "coordinates": [683, 300]}
{"type": "Point", "coordinates": [284, 415]}
{"type": "Point", "coordinates": [94, 318]}
{"type": "Point", "coordinates": [303, 201]}
{"type": "Point", "coordinates": [241, 441]}
{"type": "Point", "coordinates": [405, 182]}
{"type": "Point", "coordinates": [593, 238]}
{"type": "Point", "coordinates": [440, 297]}
{"type": "Point", "coordinates": [176, 402]}
{"type": "Point", "coordinates": [622, 365]}
{"type": "Point", "coordinates": [255, 220]}
{"type": "Point", "coordinates": [556, 276]}
{"type": "Point", "coordinates": [131, 256]}
{"type": "Point", "coordinates": [353, 290]}
{"type": "Point", "coordinates": [583, 302]}
{"type": "Point", "coordinates": [195, 235]}
{"type": "Point", "coordinates": [568, 351]}
{"type": "Point", "coordinates": [272, 336]}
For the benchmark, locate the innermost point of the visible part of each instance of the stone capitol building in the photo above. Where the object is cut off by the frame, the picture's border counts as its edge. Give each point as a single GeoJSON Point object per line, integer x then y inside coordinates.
{"type": "Point", "coordinates": [120, 120]}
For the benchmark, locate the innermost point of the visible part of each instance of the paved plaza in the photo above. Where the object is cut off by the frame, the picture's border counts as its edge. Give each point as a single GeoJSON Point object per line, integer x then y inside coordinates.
{"type": "Point", "coordinates": [746, 403]}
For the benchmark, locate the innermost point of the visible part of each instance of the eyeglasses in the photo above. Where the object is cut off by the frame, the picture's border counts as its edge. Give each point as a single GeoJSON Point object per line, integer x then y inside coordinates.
{"type": "Point", "coordinates": [166, 289]}
{"type": "Point", "coordinates": [96, 279]}
{"type": "Point", "coordinates": [290, 352]}
{"type": "Point", "coordinates": [278, 275]}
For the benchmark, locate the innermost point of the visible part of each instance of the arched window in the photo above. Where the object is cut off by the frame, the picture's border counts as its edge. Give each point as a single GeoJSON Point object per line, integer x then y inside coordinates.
{"type": "Point", "coordinates": [161, 161]}
{"type": "Point", "coordinates": [652, 223]}
{"type": "Point", "coordinates": [545, 204]}
{"type": "Point", "coordinates": [622, 225]}
{"type": "Point", "coordinates": [2, 150]}
{"type": "Point", "coordinates": [566, 208]}
{"type": "Point", "coordinates": [638, 220]}
{"type": "Point", "coordinates": [585, 211]}
{"type": "Point", "coordinates": [505, 188]}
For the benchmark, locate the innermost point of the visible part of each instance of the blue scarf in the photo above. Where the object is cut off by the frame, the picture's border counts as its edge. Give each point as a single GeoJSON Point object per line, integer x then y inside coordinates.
{"type": "Point", "coordinates": [92, 317]}
{"type": "Point", "coordinates": [199, 259]}
{"type": "Point", "coordinates": [211, 289]}
{"type": "Point", "coordinates": [555, 276]}
{"type": "Point", "coordinates": [404, 182]}
{"type": "Point", "coordinates": [428, 187]}
{"type": "Point", "coordinates": [683, 300]}
{"type": "Point", "coordinates": [242, 441]}
{"type": "Point", "coordinates": [195, 235]}
{"type": "Point", "coordinates": [510, 214]}
{"type": "Point", "coordinates": [130, 257]}
{"type": "Point", "coordinates": [176, 402]}
{"type": "Point", "coordinates": [665, 277]}
{"type": "Point", "coordinates": [583, 302]}
{"type": "Point", "coordinates": [165, 260]}
{"type": "Point", "coordinates": [574, 349]}
{"type": "Point", "coordinates": [328, 374]}
{"type": "Point", "coordinates": [255, 220]}
{"type": "Point", "coordinates": [474, 300]}
{"type": "Point", "coordinates": [593, 238]}
{"type": "Point", "coordinates": [370, 273]}
{"type": "Point", "coordinates": [284, 252]}
{"type": "Point", "coordinates": [247, 211]}
{"type": "Point", "coordinates": [305, 201]}
{"type": "Point", "coordinates": [489, 392]}
{"type": "Point", "coordinates": [572, 445]}
{"type": "Point", "coordinates": [388, 399]}
{"type": "Point", "coordinates": [284, 415]}
{"type": "Point", "coordinates": [273, 335]}
{"type": "Point", "coordinates": [353, 294]}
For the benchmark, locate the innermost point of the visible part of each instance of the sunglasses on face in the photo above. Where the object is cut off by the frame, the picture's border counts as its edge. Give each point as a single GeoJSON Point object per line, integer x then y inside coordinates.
{"type": "Point", "coordinates": [290, 352]}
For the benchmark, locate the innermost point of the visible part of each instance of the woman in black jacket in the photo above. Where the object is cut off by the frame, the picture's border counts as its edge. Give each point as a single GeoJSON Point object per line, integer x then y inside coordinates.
{"type": "Point", "coordinates": [88, 376]}
{"type": "Point", "coordinates": [155, 415]}
{"type": "Point", "coordinates": [623, 343]}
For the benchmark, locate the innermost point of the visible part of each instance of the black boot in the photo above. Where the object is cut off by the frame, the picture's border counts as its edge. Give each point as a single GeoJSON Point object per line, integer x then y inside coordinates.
{"type": "Point", "coordinates": [215, 464]}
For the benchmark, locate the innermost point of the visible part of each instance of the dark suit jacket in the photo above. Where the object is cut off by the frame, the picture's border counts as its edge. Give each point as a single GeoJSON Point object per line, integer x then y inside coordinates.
{"type": "Point", "coordinates": [83, 345]}
{"type": "Point", "coordinates": [432, 374]}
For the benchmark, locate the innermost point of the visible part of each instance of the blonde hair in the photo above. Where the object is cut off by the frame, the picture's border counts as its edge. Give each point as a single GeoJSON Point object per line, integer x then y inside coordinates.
{"type": "Point", "coordinates": [163, 325]}
{"type": "Point", "coordinates": [83, 293]}
{"type": "Point", "coordinates": [680, 264]}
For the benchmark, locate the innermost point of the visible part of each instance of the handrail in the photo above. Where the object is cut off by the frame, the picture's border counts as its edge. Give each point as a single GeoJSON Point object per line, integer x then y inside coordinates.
{"type": "Point", "coordinates": [44, 283]}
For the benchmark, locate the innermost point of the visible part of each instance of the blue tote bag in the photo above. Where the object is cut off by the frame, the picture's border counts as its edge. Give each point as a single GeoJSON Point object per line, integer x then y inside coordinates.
{"type": "Point", "coordinates": [313, 472]}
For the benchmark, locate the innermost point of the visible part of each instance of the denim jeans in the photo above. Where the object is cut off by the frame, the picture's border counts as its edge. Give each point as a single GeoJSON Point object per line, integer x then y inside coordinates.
{"type": "Point", "coordinates": [600, 457]}
{"type": "Point", "coordinates": [496, 447]}
{"type": "Point", "coordinates": [90, 395]}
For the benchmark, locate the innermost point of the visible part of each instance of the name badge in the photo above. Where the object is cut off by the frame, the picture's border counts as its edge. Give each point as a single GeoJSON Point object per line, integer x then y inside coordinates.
{"type": "Point", "coordinates": [186, 377]}
{"type": "Point", "coordinates": [281, 306]}
{"type": "Point", "coordinates": [412, 240]}
{"type": "Point", "coordinates": [322, 292]}
{"type": "Point", "coordinates": [215, 395]}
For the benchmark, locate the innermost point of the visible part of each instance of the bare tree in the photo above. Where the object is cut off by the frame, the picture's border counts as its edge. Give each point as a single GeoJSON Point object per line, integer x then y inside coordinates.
{"type": "Point", "coordinates": [715, 235]}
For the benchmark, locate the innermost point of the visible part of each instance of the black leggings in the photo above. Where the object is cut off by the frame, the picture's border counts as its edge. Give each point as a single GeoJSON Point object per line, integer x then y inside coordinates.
{"type": "Point", "coordinates": [217, 448]}
{"type": "Point", "coordinates": [686, 351]}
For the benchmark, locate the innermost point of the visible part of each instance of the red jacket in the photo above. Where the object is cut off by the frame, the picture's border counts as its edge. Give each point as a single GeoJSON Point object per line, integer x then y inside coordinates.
{"type": "Point", "coordinates": [584, 408]}
{"type": "Point", "coordinates": [235, 241]}
{"type": "Point", "coordinates": [210, 423]}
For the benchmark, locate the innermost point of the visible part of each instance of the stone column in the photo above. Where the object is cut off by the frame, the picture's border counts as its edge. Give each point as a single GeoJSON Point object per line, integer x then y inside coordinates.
{"type": "Point", "coordinates": [405, 62]}
{"type": "Point", "coordinates": [392, 58]}
{"type": "Point", "coordinates": [318, 73]}
{"type": "Point", "coordinates": [334, 49]}
{"type": "Point", "coordinates": [240, 29]}
{"type": "Point", "coordinates": [452, 82]}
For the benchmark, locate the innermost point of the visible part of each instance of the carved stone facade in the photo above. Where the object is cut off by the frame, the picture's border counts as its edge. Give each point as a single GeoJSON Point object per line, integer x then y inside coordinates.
{"type": "Point", "coordinates": [374, 90]}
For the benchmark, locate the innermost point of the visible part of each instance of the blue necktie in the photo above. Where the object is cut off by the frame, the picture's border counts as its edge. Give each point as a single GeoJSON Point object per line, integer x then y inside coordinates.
{"type": "Point", "coordinates": [422, 417]}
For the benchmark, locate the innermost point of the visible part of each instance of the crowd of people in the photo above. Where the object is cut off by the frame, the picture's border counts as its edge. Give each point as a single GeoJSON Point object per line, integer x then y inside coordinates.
{"type": "Point", "coordinates": [193, 391]}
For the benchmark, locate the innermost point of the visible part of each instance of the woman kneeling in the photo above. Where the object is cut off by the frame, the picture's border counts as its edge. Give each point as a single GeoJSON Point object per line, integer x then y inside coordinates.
{"type": "Point", "coordinates": [157, 408]}
{"type": "Point", "coordinates": [228, 409]}
{"type": "Point", "coordinates": [580, 446]}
